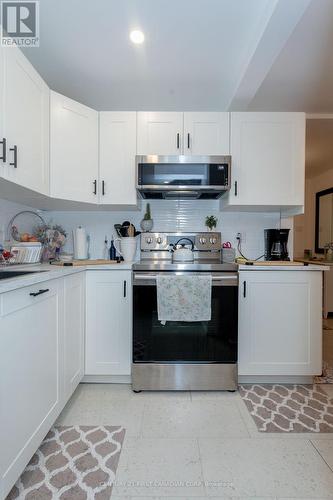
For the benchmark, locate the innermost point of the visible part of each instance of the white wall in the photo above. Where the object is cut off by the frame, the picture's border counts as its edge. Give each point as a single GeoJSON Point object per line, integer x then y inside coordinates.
{"type": "Point", "coordinates": [318, 176]}
{"type": "Point", "coordinates": [8, 210]}
{"type": "Point", "coordinates": [174, 216]}
{"type": "Point", "coordinates": [168, 215]}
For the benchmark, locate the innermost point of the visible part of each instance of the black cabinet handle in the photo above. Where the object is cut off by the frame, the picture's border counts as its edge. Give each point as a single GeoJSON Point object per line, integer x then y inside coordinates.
{"type": "Point", "coordinates": [103, 188]}
{"type": "Point", "coordinates": [188, 141]}
{"type": "Point", "coordinates": [95, 187]}
{"type": "Point", "coordinates": [236, 188]}
{"type": "Point", "coordinates": [178, 140]}
{"type": "Point", "coordinates": [40, 292]}
{"type": "Point", "coordinates": [244, 289]}
{"type": "Point", "coordinates": [125, 288]}
{"type": "Point", "coordinates": [4, 150]}
{"type": "Point", "coordinates": [14, 162]}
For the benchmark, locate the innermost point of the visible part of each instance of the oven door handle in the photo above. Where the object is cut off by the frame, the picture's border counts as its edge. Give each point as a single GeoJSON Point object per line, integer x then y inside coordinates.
{"type": "Point", "coordinates": [226, 280]}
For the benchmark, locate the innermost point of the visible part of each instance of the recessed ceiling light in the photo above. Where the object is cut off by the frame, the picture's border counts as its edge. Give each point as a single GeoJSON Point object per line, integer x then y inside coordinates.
{"type": "Point", "coordinates": [137, 36]}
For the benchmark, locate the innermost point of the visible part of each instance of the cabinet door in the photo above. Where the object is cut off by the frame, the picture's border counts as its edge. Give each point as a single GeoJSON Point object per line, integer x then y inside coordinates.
{"type": "Point", "coordinates": [25, 122]}
{"type": "Point", "coordinates": [29, 382]}
{"type": "Point", "coordinates": [160, 133]}
{"type": "Point", "coordinates": [73, 340]}
{"type": "Point", "coordinates": [74, 150]}
{"type": "Point", "coordinates": [267, 152]}
{"type": "Point", "coordinates": [117, 150]}
{"type": "Point", "coordinates": [3, 145]}
{"type": "Point", "coordinates": [280, 325]}
{"type": "Point", "coordinates": [108, 323]}
{"type": "Point", "coordinates": [206, 133]}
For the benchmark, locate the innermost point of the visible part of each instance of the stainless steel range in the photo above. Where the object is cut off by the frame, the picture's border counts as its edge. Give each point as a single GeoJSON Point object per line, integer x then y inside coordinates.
{"type": "Point", "coordinates": [184, 355]}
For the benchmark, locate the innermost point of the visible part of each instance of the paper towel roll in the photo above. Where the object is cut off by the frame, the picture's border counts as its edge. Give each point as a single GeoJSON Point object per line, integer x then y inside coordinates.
{"type": "Point", "coordinates": [80, 243]}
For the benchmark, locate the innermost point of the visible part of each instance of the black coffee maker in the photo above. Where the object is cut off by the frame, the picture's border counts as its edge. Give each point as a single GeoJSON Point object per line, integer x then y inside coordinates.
{"type": "Point", "coordinates": [276, 244]}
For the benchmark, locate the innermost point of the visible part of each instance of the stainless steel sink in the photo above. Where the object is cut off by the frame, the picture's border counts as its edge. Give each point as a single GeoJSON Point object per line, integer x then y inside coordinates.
{"type": "Point", "coordinates": [4, 275]}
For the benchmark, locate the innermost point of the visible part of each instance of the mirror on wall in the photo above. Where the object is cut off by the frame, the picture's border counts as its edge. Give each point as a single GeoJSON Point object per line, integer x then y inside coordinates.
{"type": "Point", "coordinates": [324, 219]}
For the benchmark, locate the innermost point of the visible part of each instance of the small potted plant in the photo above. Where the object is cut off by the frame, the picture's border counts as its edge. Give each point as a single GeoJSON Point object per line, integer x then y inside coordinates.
{"type": "Point", "coordinates": [211, 222]}
{"type": "Point", "coordinates": [147, 222]}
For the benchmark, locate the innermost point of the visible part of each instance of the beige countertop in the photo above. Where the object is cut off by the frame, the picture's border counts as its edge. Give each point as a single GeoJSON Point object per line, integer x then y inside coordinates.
{"type": "Point", "coordinates": [318, 262]}
{"type": "Point", "coordinates": [54, 272]}
{"type": "Point", "coordinates": [49, 272]}
{"type": "Point", "coordinates": [281, 267]}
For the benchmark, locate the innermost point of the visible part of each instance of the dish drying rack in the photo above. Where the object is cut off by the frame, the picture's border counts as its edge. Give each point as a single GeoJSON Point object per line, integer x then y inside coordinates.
{"type": "Point", "coordinates": [23, 252]}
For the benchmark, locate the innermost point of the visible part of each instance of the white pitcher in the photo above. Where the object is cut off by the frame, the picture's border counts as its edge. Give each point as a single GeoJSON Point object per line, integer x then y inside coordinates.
{"type": "Point", "coordinates": [127, 247]}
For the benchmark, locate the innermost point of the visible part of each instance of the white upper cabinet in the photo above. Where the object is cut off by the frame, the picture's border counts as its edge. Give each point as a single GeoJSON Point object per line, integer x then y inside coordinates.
{"type": "Point", "coordinates": [280, 324]}
{"type": "Point", "coordinates": [268, 158]}
{"type": "Point", "coordinates": [160, 133]}
{"type": "Point", "coordinates": [117, 150]}
{"type": "Point", "coordinates": [175, 133]}
{"type": "Point", "coordinates": [206, 133]}
{"type": "Point", "coordinates": [74, 150]}
{"type": "Point", "coordinates": [24, 122]}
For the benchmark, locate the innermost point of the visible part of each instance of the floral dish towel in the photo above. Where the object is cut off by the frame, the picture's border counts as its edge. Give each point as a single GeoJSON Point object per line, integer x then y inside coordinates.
{"type": "Point", "coordinates": [184, 297]}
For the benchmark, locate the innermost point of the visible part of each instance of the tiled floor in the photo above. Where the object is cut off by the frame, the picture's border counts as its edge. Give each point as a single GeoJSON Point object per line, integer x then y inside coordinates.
{"type": "Point", "coordinates": [202, 445]}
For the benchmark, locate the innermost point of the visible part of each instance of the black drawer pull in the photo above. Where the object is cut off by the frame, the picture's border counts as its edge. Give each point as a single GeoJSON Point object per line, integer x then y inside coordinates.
{"type": "Point", "coordinates": [40, 292]}
{"type": "Point", "coordinates": [14, 162]}
{"type": "Point", "coordinates": [4, 150]}
{"type": "Point", "coordinates": [178, 140]}
{"type": "Point", "coordinates": [188, 141]}
{"type": "Point", "coordinates": [125, 288]}
{"type": "Point", "coordinates": [236, 188]}
{"type": "Point", "coordinates": [103, 188]}
{"type": "Point", "coordinates": [95, 187]}
{"type": "Point", "coordinates": [244, 289]}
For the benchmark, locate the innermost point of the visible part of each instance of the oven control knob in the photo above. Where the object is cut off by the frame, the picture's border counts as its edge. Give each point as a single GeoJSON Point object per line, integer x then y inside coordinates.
{"type": "Point", "coordinates": [149, 240]}
{"type": "Point", "coordinates": [202, 241]}
{"type": "Point", "coordinates": [212, 240]}
{"type": "Point", "coordinates": [159, 240]}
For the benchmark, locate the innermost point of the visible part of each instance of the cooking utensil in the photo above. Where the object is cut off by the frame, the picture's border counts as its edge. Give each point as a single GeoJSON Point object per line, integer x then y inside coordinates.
{"type": "Point", "coordinates": [227, 244]}
{"type": "Point", "coordinates": [131, 231]}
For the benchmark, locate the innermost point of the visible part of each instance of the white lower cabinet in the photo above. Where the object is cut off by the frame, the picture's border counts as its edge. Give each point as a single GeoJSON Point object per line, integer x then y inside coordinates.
{"type": "Point", "coordinates": [41, 359]}
{"type": "Point", "coordinates": [108, 322]}
{"type": "Point", "coordinates": [73, 338]}
{"type": "Point", "coordinates": [30, 332]}
{"type": "Point", "coordinates": [280, 324]}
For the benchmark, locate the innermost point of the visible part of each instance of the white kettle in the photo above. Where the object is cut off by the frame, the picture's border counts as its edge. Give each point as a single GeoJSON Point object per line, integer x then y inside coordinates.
{"type": "Point", "coordinates": [183, 254]}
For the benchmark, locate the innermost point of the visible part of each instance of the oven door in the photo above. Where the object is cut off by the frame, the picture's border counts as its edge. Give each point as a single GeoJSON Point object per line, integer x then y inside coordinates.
{"type": "Point", "coordinates": [213, 341]}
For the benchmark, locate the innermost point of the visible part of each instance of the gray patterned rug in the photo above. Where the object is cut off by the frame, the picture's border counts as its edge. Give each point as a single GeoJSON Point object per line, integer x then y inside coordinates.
{"type": "Point", "coordinates": [72, 463]}
{"type": "Point", "coordinates": [288, 408]}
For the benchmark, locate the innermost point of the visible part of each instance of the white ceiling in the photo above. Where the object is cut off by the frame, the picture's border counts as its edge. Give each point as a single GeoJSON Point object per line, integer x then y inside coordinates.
{"type": "Point", "coordinates": [301, 78]}
{"type": "Point", "coordinates": [198, 54]}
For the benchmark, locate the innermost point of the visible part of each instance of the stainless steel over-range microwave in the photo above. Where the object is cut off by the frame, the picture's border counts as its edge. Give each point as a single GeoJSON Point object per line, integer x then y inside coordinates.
{"type": "Point", "coordinates": [196, 177]}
